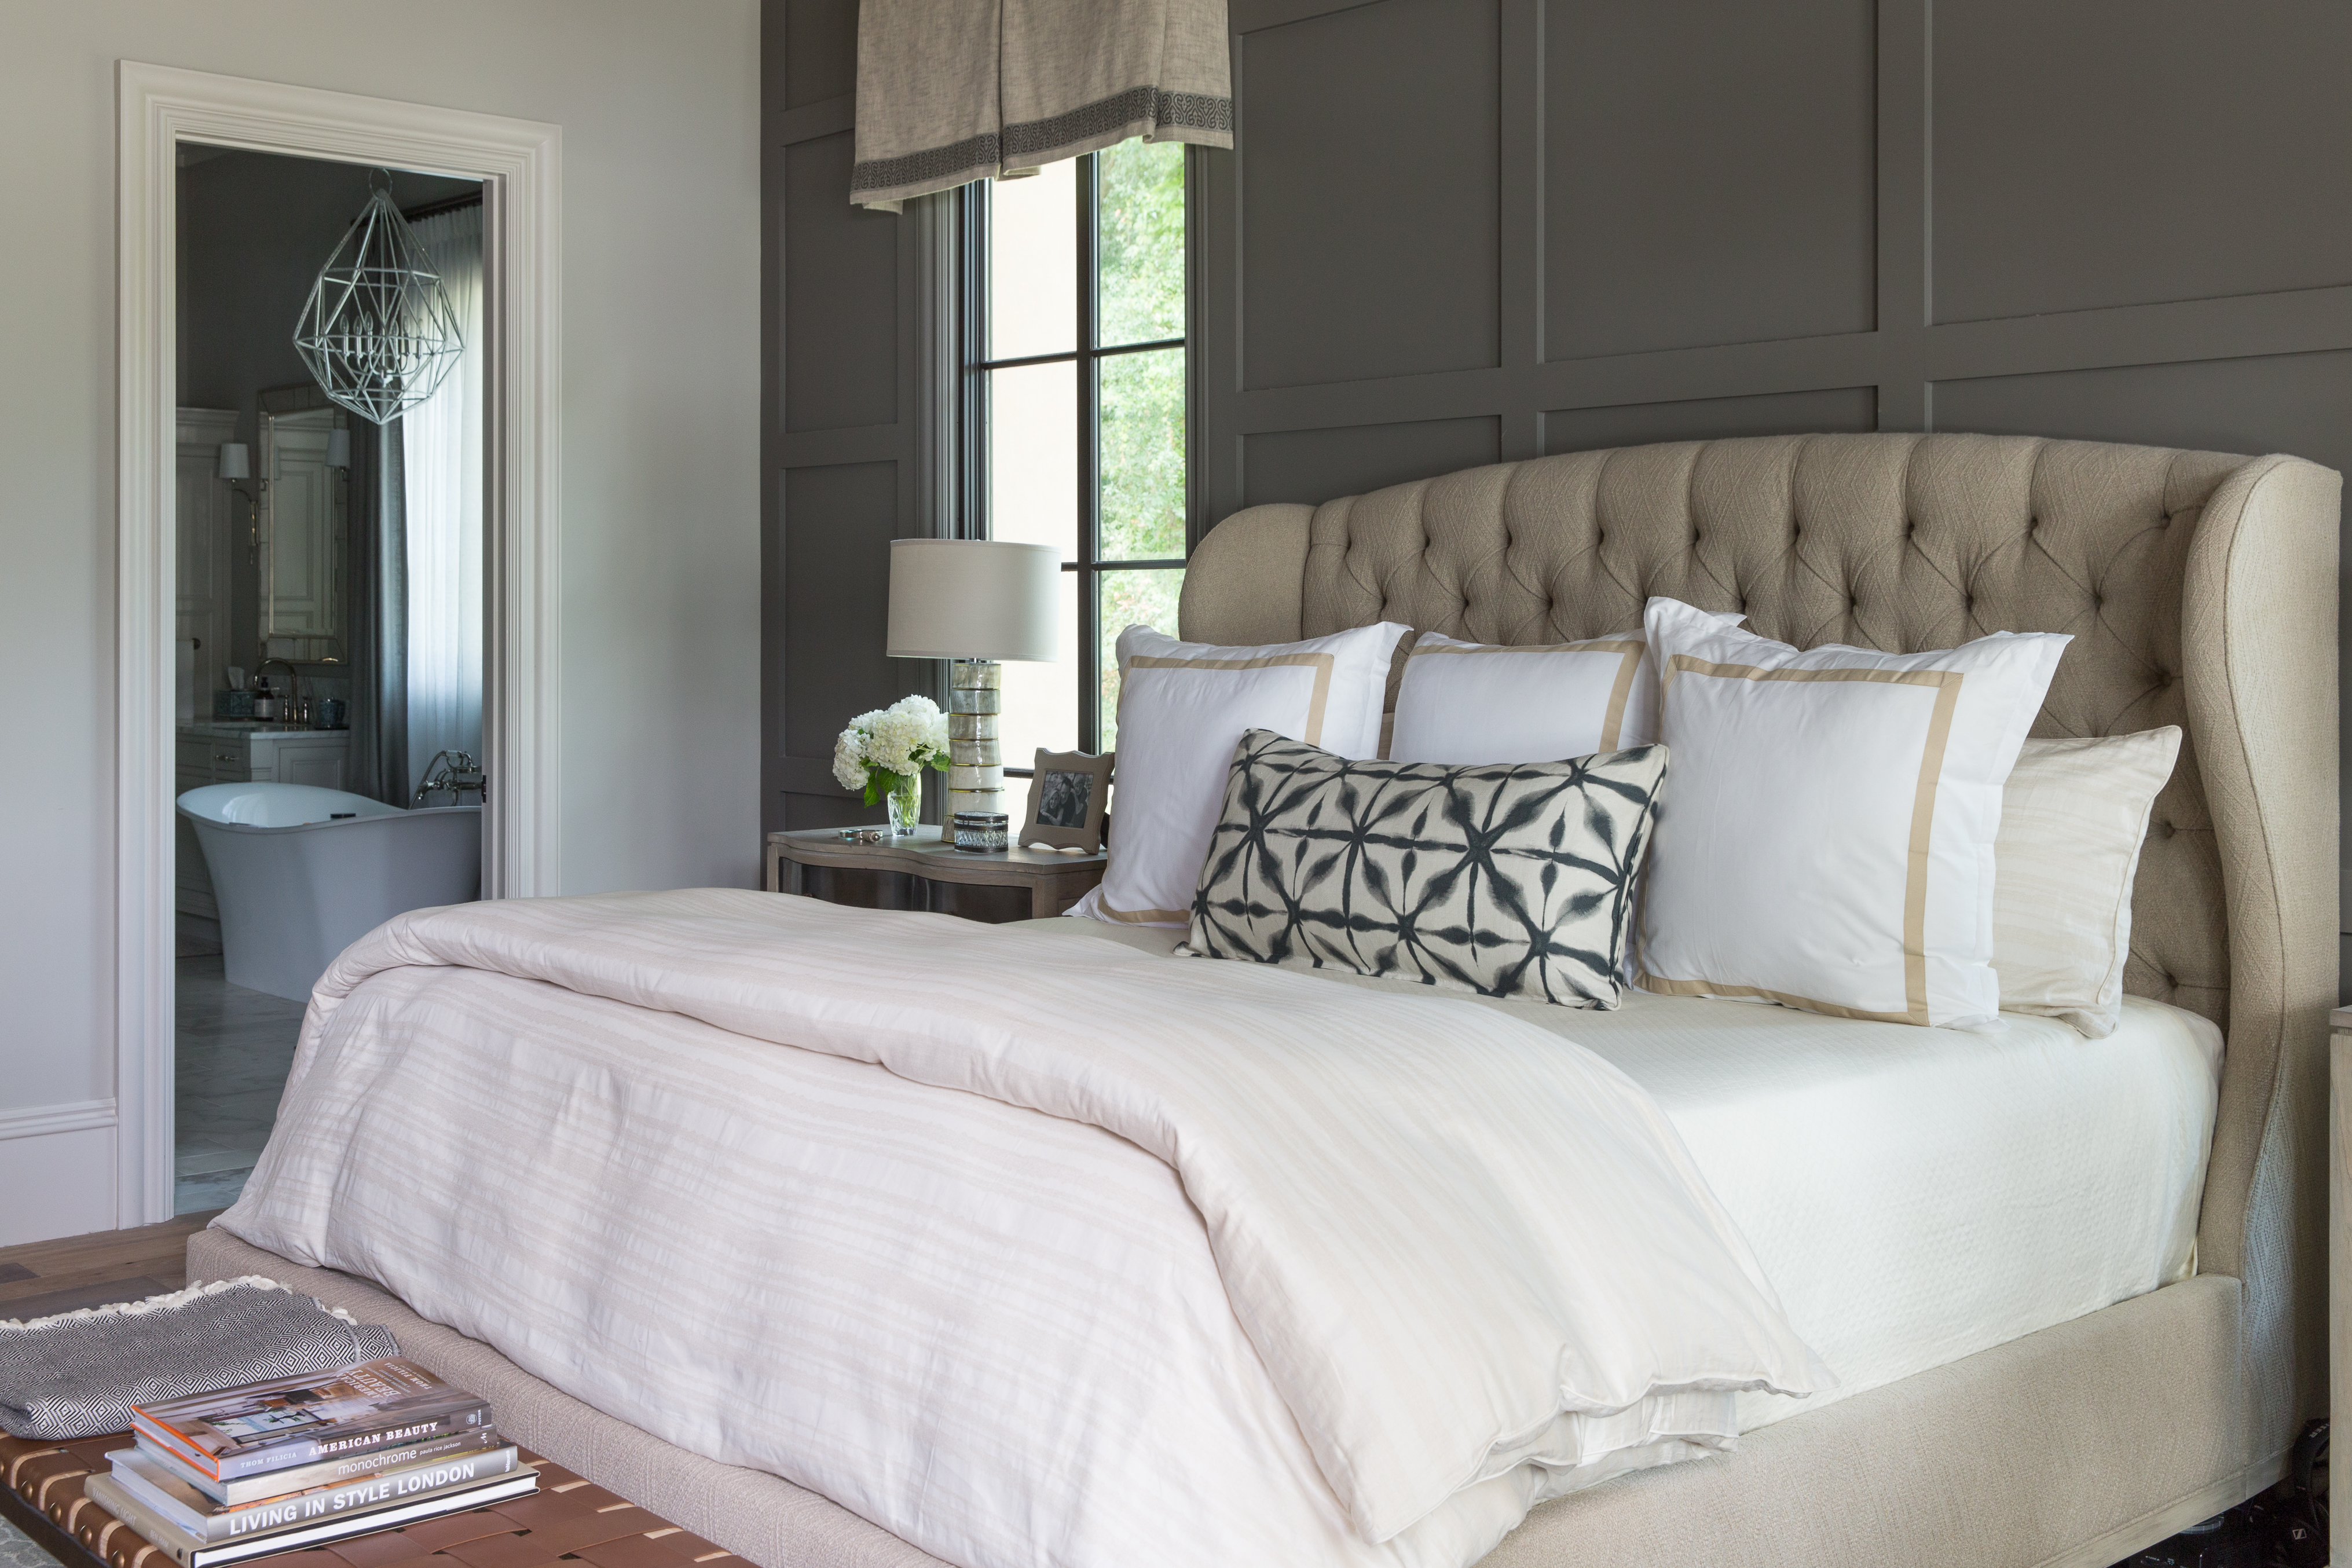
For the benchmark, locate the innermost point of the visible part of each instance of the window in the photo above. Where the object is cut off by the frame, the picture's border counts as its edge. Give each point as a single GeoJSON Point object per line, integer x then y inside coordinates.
{"type": "Point", "coordinates": [1073, 411]}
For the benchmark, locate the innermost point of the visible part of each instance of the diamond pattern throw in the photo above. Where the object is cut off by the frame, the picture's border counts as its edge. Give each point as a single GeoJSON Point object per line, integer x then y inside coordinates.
{"type": "Point", "coordinates": [1504, 880]}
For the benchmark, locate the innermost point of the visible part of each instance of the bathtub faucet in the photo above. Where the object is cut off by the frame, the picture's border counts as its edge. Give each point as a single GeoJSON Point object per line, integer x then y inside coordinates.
{"type": "Point", "coordinates": [456, 771]}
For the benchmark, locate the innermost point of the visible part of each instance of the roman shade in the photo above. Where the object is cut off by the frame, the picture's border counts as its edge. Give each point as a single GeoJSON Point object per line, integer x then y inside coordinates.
{"type": "Point", "coordinates": [950, 91]}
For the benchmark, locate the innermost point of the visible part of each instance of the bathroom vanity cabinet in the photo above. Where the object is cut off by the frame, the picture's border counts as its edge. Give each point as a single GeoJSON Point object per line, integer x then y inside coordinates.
{"type": "Point", "coordinates": [229, 752]}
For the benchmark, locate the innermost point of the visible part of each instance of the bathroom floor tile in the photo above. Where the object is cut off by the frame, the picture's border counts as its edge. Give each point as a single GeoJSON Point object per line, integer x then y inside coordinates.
{"type": "Point", "coordinates": [212, 1162]}
{"type": "Point", "coordinates": [216, 1189]}
{"type": "Point", "coordinates": [232, 1050]}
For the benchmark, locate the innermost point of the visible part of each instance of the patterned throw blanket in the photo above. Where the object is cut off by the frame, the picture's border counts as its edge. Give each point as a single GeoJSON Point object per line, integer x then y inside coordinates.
{"type": "Point", "coordinates": [78, 1373]}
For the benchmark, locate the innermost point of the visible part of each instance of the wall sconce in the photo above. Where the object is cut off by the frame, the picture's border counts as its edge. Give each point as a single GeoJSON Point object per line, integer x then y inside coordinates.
{"type": "Point", "coordinates": [339, 448]}
{"type": "Point", "coordinates": [235, 462]}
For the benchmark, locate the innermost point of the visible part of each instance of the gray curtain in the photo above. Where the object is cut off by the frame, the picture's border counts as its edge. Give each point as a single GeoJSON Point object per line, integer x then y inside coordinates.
{"type": "Point", "coordinates": [950, 91]}
{"type": "Point", "coordinates": [376, 764]}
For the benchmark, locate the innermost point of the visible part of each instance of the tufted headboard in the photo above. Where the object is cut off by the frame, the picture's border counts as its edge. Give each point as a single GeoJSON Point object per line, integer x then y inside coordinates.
{"type": "Point", "coordinates": [2201, 589]}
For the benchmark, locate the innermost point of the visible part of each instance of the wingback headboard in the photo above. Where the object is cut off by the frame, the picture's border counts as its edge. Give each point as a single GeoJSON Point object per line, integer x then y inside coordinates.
{"type": "Point", "coordinates": [2201, 589]}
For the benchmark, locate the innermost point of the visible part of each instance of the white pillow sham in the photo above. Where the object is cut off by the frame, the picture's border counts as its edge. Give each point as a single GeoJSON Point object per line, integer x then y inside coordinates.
{"type": "Point", "coordinates": [1183, 709]}
{"type": "Point", "coordinates": [2072, 819]}
{"type": "Point", "coordinates": [1479, 703]}
{"type": "Point", "coordinates": [1825, 839]}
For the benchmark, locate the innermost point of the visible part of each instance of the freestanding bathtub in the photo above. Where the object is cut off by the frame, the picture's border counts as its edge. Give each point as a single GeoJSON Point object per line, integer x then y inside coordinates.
{"type": "Point", "coordinates": [303, 872]}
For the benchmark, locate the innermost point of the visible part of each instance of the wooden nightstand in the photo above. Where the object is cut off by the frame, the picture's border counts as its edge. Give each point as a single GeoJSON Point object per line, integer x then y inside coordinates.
{"type": "Point", "coordinates": [1055, 880]}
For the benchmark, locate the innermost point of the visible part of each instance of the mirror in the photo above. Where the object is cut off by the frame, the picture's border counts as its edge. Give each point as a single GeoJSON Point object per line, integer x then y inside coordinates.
{"type": "Point", "coordinates": [302, 524]}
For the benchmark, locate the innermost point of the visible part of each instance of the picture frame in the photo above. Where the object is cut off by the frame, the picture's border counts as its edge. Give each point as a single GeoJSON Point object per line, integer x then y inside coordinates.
{"type": "Point", "coordinates": [1069, 798]}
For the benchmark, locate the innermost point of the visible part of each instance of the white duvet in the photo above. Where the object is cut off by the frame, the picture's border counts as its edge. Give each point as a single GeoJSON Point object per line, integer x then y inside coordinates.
{"type": "Point", "coordinates": [1036, 1251]}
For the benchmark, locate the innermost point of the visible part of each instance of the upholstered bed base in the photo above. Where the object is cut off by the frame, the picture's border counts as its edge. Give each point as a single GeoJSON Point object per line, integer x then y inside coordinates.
{"type": "Point", "coordinates": [2074, 1446]}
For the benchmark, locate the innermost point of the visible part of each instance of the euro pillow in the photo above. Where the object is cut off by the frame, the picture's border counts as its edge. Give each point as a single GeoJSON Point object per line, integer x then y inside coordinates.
{"type": "Point", "coordinates": [1827, 840]}
{"type": "Point", "coordinates": [1511, 880]}
{"type": "Point", "coordinates": [1182, 708]}
{"type": "Point", "coordinates": [2072, 819]}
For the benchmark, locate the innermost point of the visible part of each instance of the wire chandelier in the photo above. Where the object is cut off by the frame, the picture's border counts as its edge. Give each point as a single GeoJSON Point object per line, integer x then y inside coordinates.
{"type": "Point", "coordinates": [378, 332]}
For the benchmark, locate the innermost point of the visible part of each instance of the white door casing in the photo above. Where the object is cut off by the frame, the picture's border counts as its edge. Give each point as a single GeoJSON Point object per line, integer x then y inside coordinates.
{"type": "Point", "coordinates": [518, 163]}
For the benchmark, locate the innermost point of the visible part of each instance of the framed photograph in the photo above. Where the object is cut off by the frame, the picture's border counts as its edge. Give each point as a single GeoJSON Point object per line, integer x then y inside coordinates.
{"type": "Point", "coordinates": [1068, 795]}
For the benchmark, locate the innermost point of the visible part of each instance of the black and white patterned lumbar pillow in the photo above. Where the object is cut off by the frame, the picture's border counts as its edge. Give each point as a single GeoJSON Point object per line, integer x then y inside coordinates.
{"type": "Point", "coordinates": [1507, 879]}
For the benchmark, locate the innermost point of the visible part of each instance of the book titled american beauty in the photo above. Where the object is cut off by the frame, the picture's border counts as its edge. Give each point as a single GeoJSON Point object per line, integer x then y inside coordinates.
{"type": "Point", "coordinates": [270, 1426]}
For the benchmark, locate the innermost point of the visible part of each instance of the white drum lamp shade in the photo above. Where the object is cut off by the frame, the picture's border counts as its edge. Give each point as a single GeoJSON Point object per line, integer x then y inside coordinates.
{"type": "Point", "coordinates": [974, 598]}
{"type": "Point", "coordinates": [975, 602]}
{"type": "Point", "coordinates": [234, 462]}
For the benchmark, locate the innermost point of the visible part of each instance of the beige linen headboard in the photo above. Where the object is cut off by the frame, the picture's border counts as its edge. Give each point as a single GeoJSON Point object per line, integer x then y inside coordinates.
{"type": "Point", "coordinates": [2201, 589]}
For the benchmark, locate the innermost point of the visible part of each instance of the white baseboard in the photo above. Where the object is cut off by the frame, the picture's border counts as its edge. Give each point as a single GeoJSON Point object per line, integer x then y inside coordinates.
{"type": "Point", "coordinates": [57, 1167]}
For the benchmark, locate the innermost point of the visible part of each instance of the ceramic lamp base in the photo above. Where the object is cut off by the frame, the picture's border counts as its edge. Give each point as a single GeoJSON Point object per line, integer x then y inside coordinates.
{"type": "Point", "coordinates": [975, 766]}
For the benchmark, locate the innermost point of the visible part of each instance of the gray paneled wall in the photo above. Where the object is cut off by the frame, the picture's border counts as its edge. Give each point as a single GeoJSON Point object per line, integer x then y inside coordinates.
{"type": "Point", "coordinates": [846, 429]}
{"type": "Point", "coordinates": [1460, 231]}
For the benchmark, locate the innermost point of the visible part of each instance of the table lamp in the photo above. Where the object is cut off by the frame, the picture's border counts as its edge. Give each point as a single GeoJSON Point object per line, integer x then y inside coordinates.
{"type": "Point", "coordinates": [975, 602]}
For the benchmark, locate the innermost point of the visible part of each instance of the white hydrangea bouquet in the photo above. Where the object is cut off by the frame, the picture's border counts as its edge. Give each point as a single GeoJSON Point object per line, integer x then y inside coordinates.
{"type": "Point", "coordinates": [884, 754]}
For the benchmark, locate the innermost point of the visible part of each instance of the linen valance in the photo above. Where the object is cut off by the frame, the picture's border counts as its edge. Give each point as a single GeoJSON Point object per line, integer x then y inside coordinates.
{"type": "Point", "coordinates": [950, 91]}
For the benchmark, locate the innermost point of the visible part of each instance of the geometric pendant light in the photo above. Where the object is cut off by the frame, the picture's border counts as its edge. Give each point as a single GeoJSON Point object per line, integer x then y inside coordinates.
{"type": "Point", "coordinates": [378, 332]}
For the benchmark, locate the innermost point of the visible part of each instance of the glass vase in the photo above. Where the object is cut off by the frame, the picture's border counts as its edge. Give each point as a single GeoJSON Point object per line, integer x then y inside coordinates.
{"type": "Point", "coordinates": [906, 803]}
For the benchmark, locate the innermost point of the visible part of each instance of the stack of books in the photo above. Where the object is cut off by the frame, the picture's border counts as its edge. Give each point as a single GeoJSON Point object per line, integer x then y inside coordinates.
{"type": "Point", "coordinates": [301, 1461]}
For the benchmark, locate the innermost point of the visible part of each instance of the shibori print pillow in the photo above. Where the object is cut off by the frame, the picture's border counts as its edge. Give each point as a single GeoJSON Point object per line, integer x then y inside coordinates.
{"type": "Point", "coordinates": [1507, 879]}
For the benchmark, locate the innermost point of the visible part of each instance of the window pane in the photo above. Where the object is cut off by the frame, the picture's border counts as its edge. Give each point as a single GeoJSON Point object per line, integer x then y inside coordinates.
{"type": "Point", "coordinates": [1032, 456]}
{"type": "Point", "coordinates": [1033, 263]}
{"type": "Point", "coordinates": [1139, 230]}
{"type": "Point", "coordinates": [1040, 703]}
{"type": "Point", "coordinates": [1142, 456]}
{"type": "Point", "coordinates": [1148, 597]}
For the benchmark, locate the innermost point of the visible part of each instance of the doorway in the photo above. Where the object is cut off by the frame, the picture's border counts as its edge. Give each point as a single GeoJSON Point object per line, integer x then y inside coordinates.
{"type": "Point", "coordinates": [290, 625]}
{"type": "Point", "coordinates": [329, 620]}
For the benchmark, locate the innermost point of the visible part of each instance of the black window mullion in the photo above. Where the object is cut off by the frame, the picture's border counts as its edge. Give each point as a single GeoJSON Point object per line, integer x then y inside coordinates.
{"type": "Point", "coordinates": [971, 321]}
{"type": "Point", "coordinates": [1089, 328]}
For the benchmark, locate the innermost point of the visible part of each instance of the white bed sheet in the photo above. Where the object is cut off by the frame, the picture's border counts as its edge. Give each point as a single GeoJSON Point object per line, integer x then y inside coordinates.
{"type": "Point", "coordinates": [1916, 1195]}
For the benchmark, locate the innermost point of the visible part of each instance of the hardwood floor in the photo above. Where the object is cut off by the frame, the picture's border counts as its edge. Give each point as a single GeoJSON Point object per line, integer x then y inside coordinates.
{"type": "Point", "coordinates": [44, 1278]}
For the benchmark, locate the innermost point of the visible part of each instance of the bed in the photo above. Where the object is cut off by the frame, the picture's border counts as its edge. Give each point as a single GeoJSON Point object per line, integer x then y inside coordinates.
{"type": "Point", "coordinates": [2085, 1304]}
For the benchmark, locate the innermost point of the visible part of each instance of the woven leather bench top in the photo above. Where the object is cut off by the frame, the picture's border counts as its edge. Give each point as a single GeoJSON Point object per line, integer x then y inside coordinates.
{"type": "Point", "coordinates": [568, 1519]}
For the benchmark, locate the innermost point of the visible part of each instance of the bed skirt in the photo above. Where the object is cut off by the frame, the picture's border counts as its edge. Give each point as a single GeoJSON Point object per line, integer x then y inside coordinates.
{"type": "Point", "coordinates": [2072, 1448]}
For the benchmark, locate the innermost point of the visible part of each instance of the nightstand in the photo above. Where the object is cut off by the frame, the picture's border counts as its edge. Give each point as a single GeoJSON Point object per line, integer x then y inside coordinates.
{"type": "Point", "coordinates": [1055, 882]}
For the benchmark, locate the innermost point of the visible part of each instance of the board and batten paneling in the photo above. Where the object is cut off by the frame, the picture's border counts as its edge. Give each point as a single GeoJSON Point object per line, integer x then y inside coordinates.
{"type": "Point", "coordinates": [2115, 219]}
{"type": "Point", "coordinates": [1455, 232]}
{"type": "Point", "coordinates": [847, 434]}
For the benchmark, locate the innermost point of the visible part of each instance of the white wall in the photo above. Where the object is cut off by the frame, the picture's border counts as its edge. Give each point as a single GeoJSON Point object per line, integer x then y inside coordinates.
{"type": "Point", "coordinates": [660, 109]}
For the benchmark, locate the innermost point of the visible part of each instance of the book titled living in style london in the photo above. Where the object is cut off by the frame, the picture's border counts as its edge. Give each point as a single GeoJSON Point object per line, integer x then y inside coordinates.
{"type": "Point", "coordinates": [209, 1523]}
{"type": "Point", "coordinates": [109, 1494]}
{"type": "Point", "coordinates": [272, 1426]}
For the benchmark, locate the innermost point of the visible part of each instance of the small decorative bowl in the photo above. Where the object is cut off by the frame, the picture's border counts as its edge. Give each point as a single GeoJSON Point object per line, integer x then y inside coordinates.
{"type": "Point", "coordinates": [980, 832]}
